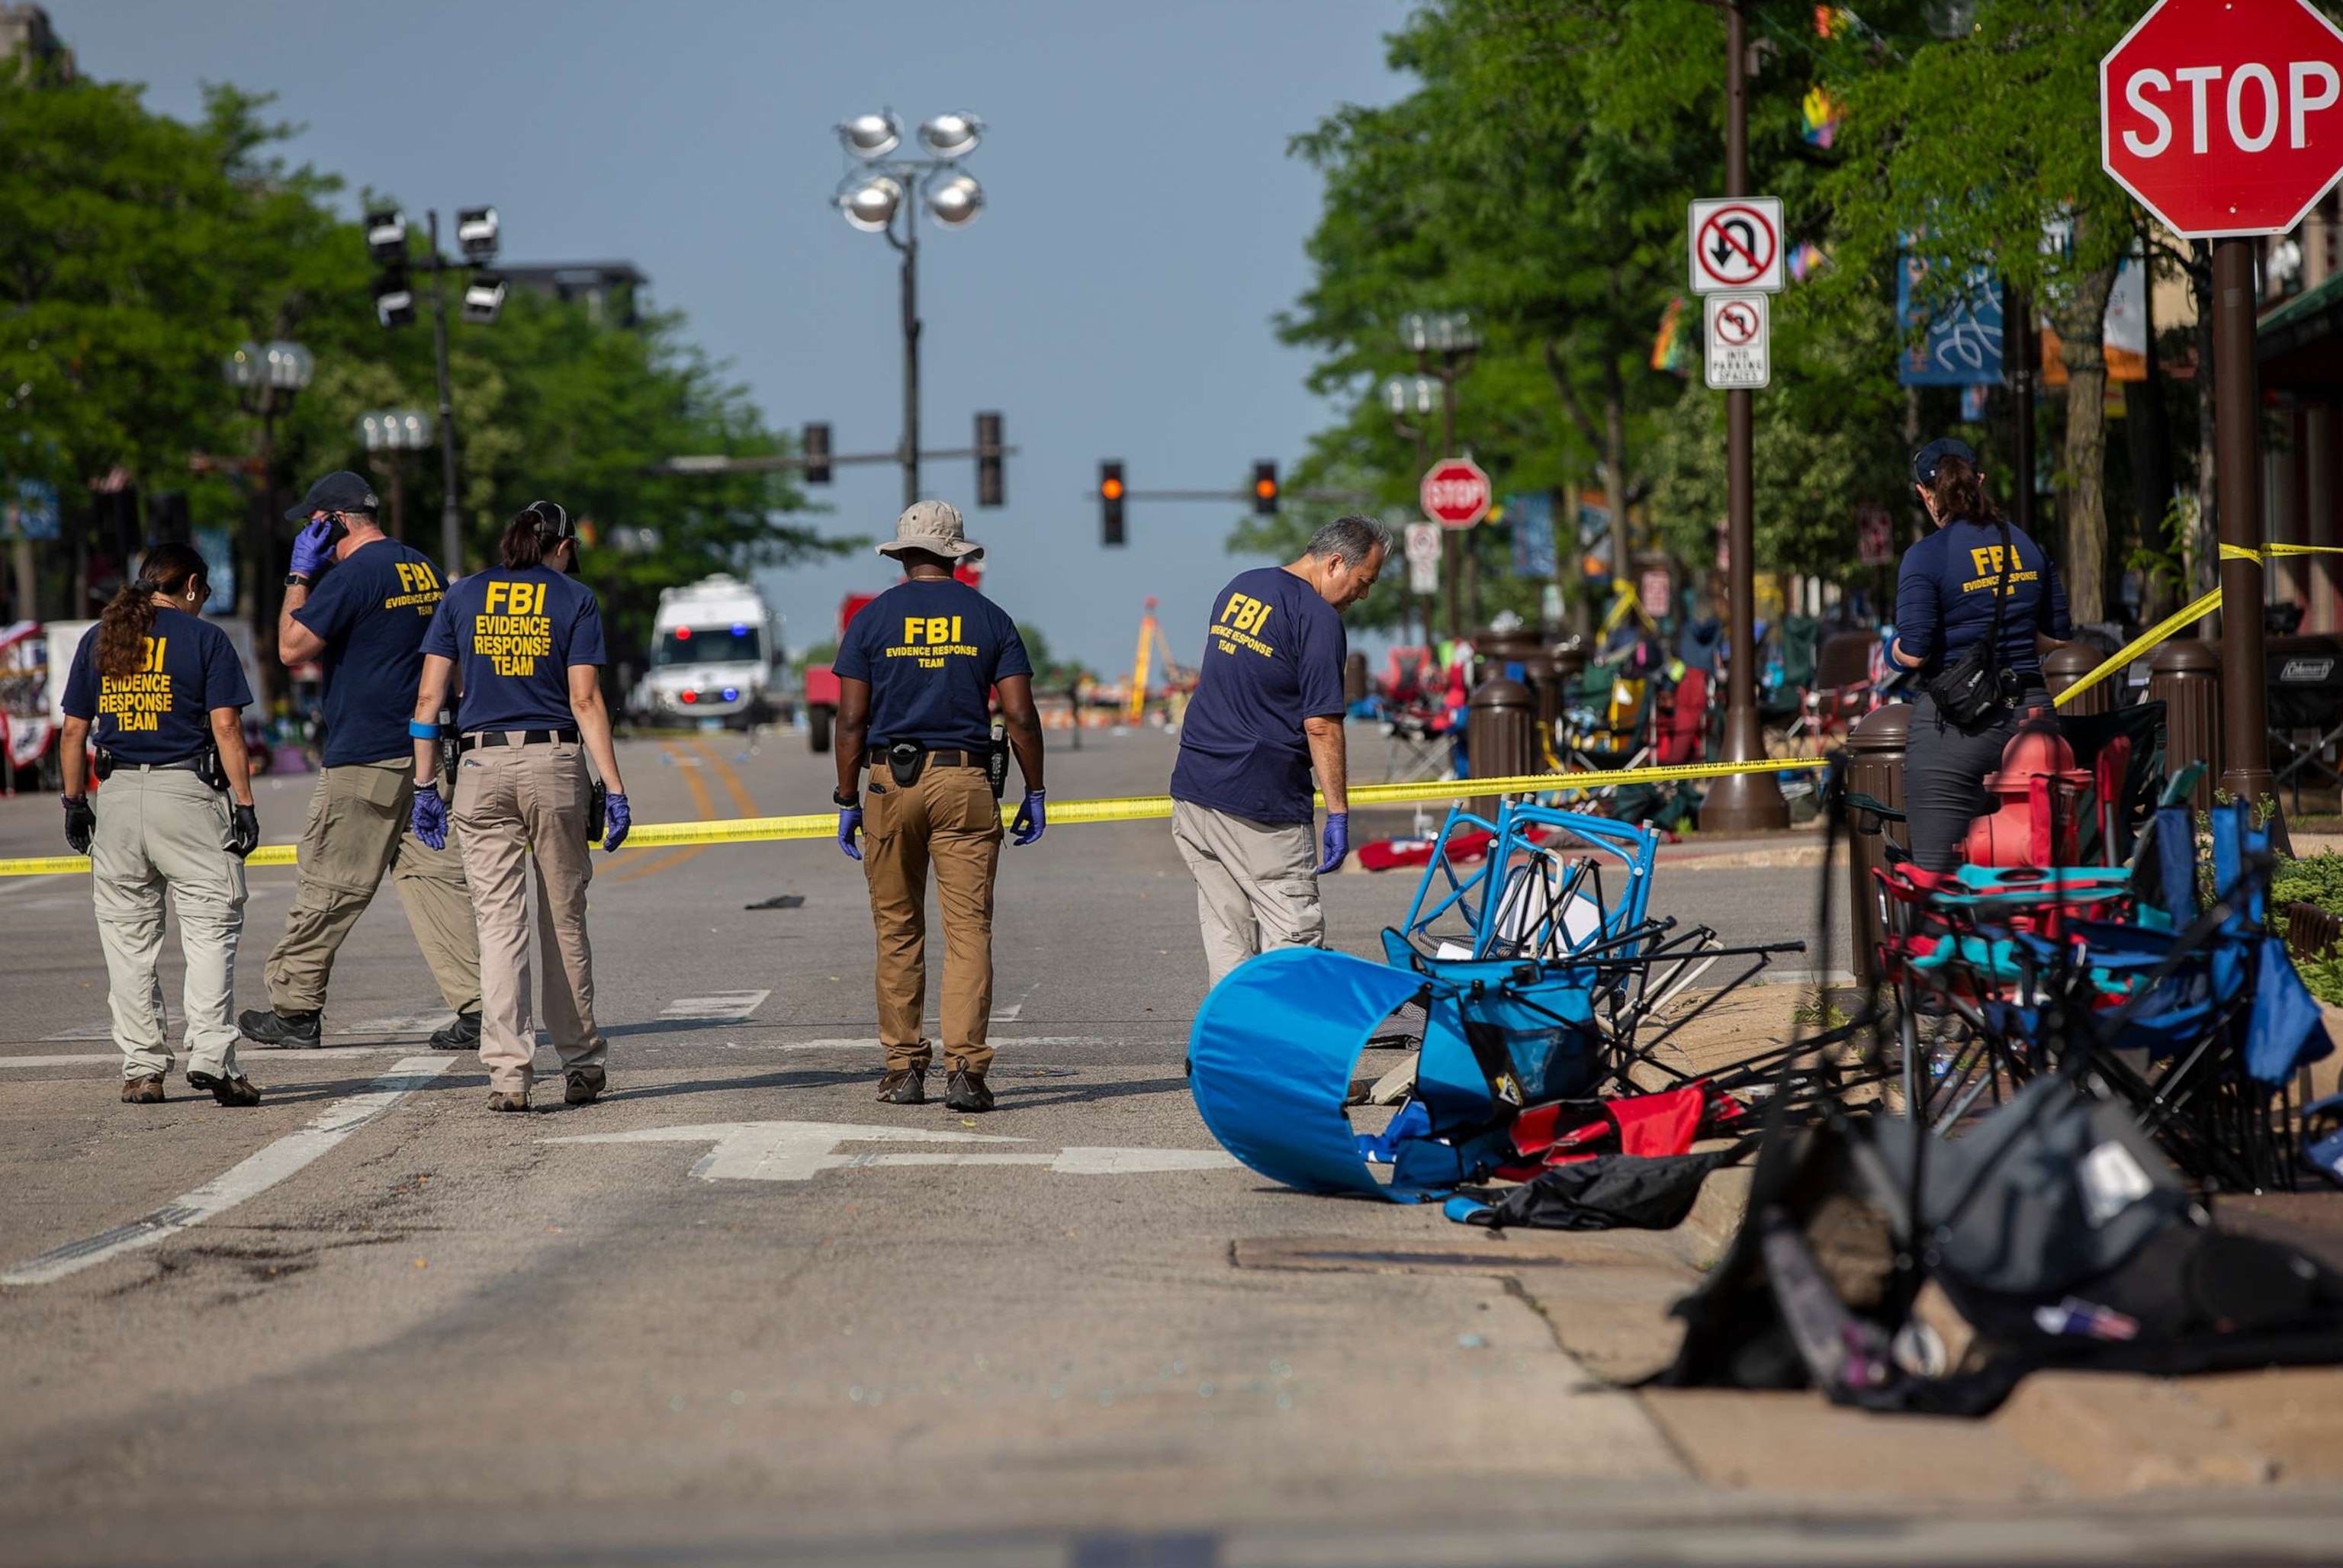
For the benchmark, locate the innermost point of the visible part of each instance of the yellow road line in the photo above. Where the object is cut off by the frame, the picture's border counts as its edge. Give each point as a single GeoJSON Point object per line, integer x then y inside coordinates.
{"type": "Point", "coordinates": [701, 801]}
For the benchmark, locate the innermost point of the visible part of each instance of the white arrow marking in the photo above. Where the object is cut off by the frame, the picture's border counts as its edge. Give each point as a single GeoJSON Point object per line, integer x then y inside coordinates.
{"type": "Point", "coordinates": [800, 1150]}
{"type": "Point", "coordinates": [722, 1007]}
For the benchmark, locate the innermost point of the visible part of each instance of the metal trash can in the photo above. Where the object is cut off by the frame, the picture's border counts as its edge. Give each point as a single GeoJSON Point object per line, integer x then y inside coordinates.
{"type": "Point", "coordinates": [1545, 681]}
{"type": "Point", "coordinates": [2185, 675]}
{"type": "Point", "coordinates": [2068, 665]}
{"type": "Point", "coordinates": [1875, 753]}
{"type": "Point", "coordinates": [1500, 736]}
{"type": "Point", "coordinates": [1354, 680]}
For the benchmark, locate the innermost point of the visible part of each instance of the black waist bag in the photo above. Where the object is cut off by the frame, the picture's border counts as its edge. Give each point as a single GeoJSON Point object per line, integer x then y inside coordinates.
{"type": "Point", "coordinates": [1976, 689]}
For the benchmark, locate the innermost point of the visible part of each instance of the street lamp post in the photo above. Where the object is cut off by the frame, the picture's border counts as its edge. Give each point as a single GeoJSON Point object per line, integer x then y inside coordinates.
{"type": "Point", "coordinates": [267, 378]}
{"type": "Point", "coordinates": [1449, 339]}
{"type": "Point", "coordinates": [875, 194]}
{"type": "Point", "coordinates": [390, 434]}
{"type": "Point", "coordinates": [1406, 395]}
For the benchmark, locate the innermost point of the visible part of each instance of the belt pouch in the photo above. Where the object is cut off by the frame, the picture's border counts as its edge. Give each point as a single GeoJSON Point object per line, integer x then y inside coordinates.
{"type": "Point", "coordinates": [906, 759]}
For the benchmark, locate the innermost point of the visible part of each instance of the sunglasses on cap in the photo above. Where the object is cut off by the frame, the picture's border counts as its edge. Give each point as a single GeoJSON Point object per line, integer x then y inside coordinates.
{"type": "Point", "coordinates": [553, 524]}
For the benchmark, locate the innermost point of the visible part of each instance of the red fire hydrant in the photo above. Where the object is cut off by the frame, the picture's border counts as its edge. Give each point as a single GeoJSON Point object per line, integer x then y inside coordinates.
{"type": "Point", "coordinates": [2040, 791]}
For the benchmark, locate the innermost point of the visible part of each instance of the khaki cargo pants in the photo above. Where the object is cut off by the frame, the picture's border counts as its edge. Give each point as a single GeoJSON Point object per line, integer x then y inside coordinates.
{"type": "Point", "coordinates": [358, 829]}
{"type": "Point", "coordinates": [1256, 884]}
{"type": "Point", "coordinates": [521, 810]}
{"type": "Point", "coordinates": [950, 820]}
{"type": "Point", "coordinates": [158, 830]}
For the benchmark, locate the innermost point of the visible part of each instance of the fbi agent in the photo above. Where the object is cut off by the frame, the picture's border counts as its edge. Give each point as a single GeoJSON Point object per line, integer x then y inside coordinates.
{"type": "Point", "coordinates": [529, 639]}
{"type": "Point", "coordinates": [361, 601]}
{"type": "Point", "coordinates": [1945, 594]}
{"type": "Point", "coordinates": [913, 669]}
{"type": "Point", "coordinates": [160, 690]}
{"type": "Point", "coordinates": [1268, 710]}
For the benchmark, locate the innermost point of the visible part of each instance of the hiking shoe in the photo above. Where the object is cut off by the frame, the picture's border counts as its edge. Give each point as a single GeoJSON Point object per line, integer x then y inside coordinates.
{"type": "Point", "coordinates": [905, 1086]}
{"type": "Point", "coordinates": [966, 1092]}
{"type": "Point", "coordinates": [500, 1100]}
{"type": "Point", "coordinates": [284, 1030]}
{"type": "Point", "coordinates": [584, 1085]}
{"type": "Point", "coordinates": [147, 1090]}
{"type": "Point", "coordinates": [463, 1034]}
{"type": "Point", "coordinates": [228, 1089]}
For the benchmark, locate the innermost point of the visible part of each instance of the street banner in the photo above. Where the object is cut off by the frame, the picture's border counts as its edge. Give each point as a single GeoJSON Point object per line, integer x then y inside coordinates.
{"type": "Point", "coordinates": [1962, 341]}
{"type": "Point", "coordinates": [1531, 517]}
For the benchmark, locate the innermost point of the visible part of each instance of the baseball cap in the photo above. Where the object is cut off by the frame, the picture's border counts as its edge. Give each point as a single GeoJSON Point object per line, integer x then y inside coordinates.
{"type": "Point", "coordinates": [1924, 460]}
{"type": "Point", "coordinates": [339, 491]}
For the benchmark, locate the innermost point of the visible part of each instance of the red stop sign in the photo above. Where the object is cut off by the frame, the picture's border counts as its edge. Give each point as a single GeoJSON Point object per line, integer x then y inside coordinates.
{"type": "Point", "coordinates": [2225, 116]}
{"type": "Point", "coordinates": [1455, 492]}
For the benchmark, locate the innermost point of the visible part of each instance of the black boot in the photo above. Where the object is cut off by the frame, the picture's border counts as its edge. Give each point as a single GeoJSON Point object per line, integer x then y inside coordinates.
{"type": "Point", "coordinates": [904, 1086]}
{"type": "Point", "coordinates": [284, 1030]}
{"type": "Point", "coordinates": [966, 1092]}
{"type": "Point", "coordinates": [463, 1034]}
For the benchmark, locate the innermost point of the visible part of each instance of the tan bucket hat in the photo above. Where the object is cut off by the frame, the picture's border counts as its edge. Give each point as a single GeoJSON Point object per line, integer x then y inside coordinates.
{"type": "Point", "coordinates": [934, 527]}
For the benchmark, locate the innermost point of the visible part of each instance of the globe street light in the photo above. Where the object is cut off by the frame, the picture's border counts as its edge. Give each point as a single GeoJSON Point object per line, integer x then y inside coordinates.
{"type": "Point", "coordinates": [877, 191]}
{"type": "Point", "coordinates": [390, 434]}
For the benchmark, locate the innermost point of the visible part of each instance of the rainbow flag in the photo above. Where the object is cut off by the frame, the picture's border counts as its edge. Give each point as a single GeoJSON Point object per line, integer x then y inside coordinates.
{"type": "Point", "coordinates": [1668, 351]}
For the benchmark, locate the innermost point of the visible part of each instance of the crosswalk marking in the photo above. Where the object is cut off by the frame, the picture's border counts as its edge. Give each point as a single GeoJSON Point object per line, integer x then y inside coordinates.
{"type": "Point", "coordinates": [800, 1151]}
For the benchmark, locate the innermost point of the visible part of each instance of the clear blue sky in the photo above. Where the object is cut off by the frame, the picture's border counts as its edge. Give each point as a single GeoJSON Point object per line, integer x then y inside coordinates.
{"type": "Point", "coordinates": [1142, 224]}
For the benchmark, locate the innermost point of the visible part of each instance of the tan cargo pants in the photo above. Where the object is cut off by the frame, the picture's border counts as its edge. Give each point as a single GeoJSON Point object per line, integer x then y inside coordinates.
{"type": "Point", "coordinates": [522, 809]}
{"type": "Point", "coordinates": [1256, 884]}
{"type": "Point", "coordinates": [358, 829]}
{"type": "Point", "coordinates": [950, 819]}
{"type": "Point", "coordinates": [158, 830]}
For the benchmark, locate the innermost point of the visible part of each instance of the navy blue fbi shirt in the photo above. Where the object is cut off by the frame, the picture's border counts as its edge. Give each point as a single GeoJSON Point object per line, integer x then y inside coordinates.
{"type": "Point", "coordinates": [1944, 596]}
{"type": "Point", "coordinates": [160, 712]}
{"type": "Point", "coordinates": [515, 631]}
{"type": "Point", "coordinates": [372, 609]}
{"type": "Point", "coordinates": [931, 650]}
{"type": "Point", "coordinates": [1273, 658]}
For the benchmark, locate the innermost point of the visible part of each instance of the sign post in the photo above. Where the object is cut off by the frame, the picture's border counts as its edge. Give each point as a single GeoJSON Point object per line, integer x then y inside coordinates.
{"type": "Point", "coordinates": [2224, 121]}
{"type": "Point", "coordinates": [1736, 249]}
{"type": "Point", "coordinates": [1456, 494]}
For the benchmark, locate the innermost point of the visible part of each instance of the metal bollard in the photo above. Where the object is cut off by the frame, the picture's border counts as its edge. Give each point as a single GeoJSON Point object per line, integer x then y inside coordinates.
{"type": "Point", "coordinates": [1875, 753]}
{"type": "Point", "coordinates": [1499, 736]}
{"type": "Point", "coordinates": [2069, 665]}
{"type": "Point", "coordinates": [2185, 675]}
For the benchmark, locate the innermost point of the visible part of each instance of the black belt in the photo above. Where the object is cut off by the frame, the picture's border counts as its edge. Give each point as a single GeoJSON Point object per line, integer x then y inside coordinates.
{"type": "Point", "coordinates": [514, 737]}
{"type": "Point", "coordinates": [877, 758]}
{"type": "Point", "coordinates": [188, 764]}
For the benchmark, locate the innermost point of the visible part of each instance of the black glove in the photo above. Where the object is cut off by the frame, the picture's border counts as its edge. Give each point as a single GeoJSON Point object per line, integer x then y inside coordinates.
{"type": "Point", "coordinates": [80, 822]}
{"type": "Point", "coordinates": [244, 831]}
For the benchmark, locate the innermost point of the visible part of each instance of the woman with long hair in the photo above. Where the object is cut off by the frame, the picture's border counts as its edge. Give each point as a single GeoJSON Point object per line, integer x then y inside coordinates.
{"type": "Point", "coordinates": [529, 638]}
{"type": "Point", "coordinates": [159, 690]}
{"type": "Point", "coordinates": [1975, 603]}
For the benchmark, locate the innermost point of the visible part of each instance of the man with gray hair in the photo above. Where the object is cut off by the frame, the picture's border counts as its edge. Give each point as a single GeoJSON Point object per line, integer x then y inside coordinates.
{"type": "Point", "coordinates": [1268, 710]}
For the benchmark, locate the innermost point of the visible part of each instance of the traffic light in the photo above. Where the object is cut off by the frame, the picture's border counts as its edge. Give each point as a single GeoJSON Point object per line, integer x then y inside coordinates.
{"type": "Point", "coordinates": [1264, 489]}
{"type": "Point", "coordinates": [1111, 503]}
{"type": "Point", "coordinates": [815, 442]}
{"type": "Point", "coordinates": [990, 491]}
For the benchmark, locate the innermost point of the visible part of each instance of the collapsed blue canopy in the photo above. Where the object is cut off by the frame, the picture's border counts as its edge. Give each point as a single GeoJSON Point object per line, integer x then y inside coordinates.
{"type": "Point", "coordinates": [1271, 1054]}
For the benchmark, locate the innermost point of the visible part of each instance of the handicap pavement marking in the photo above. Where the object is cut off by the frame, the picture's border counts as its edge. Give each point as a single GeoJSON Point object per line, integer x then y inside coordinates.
{"type": "Point", "coordinates": [256, 1175]}
{"type": "Point", "coordinates": [800, 1151]}
{"type": "Point", "coordinates": [722, 1007]}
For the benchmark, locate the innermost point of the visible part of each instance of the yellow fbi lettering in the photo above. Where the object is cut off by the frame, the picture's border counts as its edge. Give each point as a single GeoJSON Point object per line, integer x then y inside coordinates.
{"type": "Point", "coordinates": [1241, 617]}
{"type": "Point", "coordinates": [418, 587]}
{"type": "Point", "coordinates": [1986, 561]}
{"type": "Point", "coordinates": [138, 700]}
{"type": "Point", "coordinates": [930, 640]}
{"type": "Point", "coordinates": [513, 631]}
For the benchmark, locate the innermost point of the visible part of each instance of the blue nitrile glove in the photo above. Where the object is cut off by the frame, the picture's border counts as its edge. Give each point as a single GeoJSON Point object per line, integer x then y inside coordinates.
{"type": "Point", "coordinates": [430, 818]}
{"type": "Point", "coordinates": [617, 819]}
{"type": "Point", "coordinates": [1337, 840]}
{"type": "Point", "coordinates": [1032, 819]}
{"type": "Point", "coordinates": [850, 823]}
{"type": "Point", "coordinates": [312, 546]}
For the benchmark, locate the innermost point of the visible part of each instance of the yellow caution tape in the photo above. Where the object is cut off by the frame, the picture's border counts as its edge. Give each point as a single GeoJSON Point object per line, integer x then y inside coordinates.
{"type": "Point", "coordinates": [1063, 813]}
{"type": "Point", "coordinates": [2188, 615]}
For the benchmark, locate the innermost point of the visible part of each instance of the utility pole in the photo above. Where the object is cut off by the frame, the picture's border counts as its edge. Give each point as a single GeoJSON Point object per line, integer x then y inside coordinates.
{"type": "Point", "coordinates": [2018, 312]}
{"type": "Point", "coordinates": [1741, 802]}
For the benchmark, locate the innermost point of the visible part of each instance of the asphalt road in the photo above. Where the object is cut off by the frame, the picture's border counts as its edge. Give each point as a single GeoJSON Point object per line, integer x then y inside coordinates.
{"type": "Point", "coordinates": [739, 1312]}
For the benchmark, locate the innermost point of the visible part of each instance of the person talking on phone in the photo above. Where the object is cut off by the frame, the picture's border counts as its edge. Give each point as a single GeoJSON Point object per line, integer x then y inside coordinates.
{"type": "Point", "coordinates": [359, 602]}
{"type": "Point", "coordinates": [1976, 602]}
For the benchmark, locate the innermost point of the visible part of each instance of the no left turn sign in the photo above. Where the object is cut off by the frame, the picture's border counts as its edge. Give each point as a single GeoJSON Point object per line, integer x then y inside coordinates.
{"type": "Point", "coordinates": [1736, 244]}
{"type": "Point", "coordinates": [1737, 354]}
